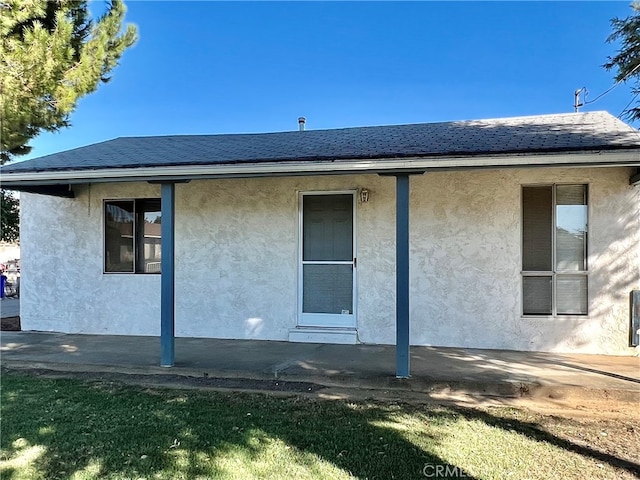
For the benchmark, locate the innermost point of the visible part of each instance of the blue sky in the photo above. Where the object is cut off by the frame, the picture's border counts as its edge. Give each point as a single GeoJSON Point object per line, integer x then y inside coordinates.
{"type": "Point", "coordinates": [214, 67]}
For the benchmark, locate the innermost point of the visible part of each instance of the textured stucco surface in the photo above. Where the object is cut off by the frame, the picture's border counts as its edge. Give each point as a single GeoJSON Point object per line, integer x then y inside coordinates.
{"type": "Point", "coordinates": [62, 285]}
{"type": "Point", "coordinates": [466, 262]}
{"type": "Point", "coordinates": [237, 254]}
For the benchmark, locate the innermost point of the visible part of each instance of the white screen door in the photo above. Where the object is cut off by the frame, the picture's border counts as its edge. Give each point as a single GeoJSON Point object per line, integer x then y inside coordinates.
{"type": "Point", "coordinates": [327, 260]}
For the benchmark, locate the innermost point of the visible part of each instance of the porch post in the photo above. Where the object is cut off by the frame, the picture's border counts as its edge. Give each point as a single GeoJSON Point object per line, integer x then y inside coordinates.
{"type": "Point", "coordinates": [402, 275]}
{"type": "Point", "coordinates": [167, 294]}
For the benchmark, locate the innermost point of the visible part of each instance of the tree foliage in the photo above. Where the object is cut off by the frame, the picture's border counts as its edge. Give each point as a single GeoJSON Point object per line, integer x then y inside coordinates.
{"type": "Point", "coordinates": [51, 54]}
{"type": "Point", "coordinates": [9, 217]}
{"type": "Point", "coordinates": [626, 62]}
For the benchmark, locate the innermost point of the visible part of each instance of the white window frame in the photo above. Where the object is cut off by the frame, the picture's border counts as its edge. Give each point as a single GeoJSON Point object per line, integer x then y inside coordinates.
{"type": "Point", "coordinates": [554, 272]}
{"type": "Point", "coordinates": [322, 320]}
{"type": "Point", "coordinates": [135, 200]}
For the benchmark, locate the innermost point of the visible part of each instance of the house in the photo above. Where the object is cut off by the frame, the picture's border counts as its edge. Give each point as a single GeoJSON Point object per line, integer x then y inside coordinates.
{"type": "Point", "coordinates": [514, 233]}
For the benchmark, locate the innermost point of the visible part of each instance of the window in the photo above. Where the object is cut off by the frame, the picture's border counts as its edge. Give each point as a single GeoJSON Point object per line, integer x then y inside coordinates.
{"type": "Point", "coordinates": [132, 236]}
{"type": "Point", "coordinates": [554, 250]}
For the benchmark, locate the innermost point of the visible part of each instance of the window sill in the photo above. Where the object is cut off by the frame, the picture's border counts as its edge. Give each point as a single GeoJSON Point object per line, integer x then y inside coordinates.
{"type": "Point", "coordinates": [555, 317]}
{"type": "Point", "coordinates": [132, 273]}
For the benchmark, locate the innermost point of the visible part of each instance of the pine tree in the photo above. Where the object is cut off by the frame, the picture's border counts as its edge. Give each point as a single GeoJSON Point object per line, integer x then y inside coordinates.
{"type": "Point", "coordinates": [52, 54]}
{"type": "Point", "coordinates": [627, 59]}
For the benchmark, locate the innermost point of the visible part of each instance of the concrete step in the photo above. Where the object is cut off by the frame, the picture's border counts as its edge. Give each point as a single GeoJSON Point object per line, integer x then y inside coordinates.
{"type": "Point", "coordinates": [344, 336]}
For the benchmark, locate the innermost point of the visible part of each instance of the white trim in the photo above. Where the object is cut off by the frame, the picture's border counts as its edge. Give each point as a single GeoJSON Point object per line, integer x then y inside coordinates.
{"type": "Point", "coordinates": [568, 317]}
{"type": "Point", "coordinates": [327, 320]}
{"type": "Point", "coordinates": [578, 159]}
{"type": "Point", "coordinates": [320, 320]}
{"type": "Point", "coordinates": [347, 336]}
{"type": "Point", "coordinates": [554, 272]}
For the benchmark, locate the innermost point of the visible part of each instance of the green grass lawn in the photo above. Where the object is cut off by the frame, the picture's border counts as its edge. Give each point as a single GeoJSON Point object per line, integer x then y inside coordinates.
{"type": "Point", "coordinates": [72, 429]}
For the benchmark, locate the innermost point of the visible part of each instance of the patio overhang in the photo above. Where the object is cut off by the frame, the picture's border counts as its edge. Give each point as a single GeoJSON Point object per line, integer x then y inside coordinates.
{"type": "Point", "coordinates": [57, 182]}
{"type": "Point", "coordinates": [63, 190]}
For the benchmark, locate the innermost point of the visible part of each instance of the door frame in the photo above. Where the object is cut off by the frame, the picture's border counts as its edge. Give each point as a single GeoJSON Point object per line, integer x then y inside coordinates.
{"type": "Point", "coordinates": [327, 320]}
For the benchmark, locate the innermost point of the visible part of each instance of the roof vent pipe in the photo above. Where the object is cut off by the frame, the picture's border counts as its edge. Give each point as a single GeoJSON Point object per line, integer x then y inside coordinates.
{"type": "Point", "coordinates": [301, 122]}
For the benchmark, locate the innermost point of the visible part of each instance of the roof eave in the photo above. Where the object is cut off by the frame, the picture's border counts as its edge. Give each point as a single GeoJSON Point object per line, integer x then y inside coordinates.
{"type": "Point", "coordinates": [593, 158]}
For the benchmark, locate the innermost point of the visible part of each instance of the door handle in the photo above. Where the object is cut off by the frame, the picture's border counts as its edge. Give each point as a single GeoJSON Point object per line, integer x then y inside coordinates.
{"type": "Point", "coordinates": [354, 262]}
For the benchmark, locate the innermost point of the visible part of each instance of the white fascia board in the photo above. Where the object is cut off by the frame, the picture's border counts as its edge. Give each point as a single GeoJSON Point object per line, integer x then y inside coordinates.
{"type": "Point", "coordinates": [157, 173]}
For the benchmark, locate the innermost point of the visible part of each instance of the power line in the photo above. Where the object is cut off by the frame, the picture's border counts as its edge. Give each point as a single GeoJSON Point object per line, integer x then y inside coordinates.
{"type": "Point", "coordinates": [627, 105]}
{"type": "Point", "coordinates": [612, 86]}
{"type": "Point", "coordinates": [586, 92]}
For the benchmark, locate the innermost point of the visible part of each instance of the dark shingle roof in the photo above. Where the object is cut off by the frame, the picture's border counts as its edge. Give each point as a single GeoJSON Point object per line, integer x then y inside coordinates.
{"type": "Point", "coordinates": [533, 134]}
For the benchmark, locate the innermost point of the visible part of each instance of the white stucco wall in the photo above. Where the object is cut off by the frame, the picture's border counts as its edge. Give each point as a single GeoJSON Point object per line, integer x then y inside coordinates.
{"type": "Point", "coordinates": [466, 262]}
{"type": "Point", "coordinates": [236, 261]}
{"type": "Point", "coordinates": [62, 285]}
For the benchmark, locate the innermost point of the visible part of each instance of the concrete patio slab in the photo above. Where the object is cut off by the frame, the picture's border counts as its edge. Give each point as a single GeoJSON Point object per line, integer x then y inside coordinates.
{"type": "Point", "coordinates": [9, 307]}
{"type": "Point", "coordinates": [436, 372]}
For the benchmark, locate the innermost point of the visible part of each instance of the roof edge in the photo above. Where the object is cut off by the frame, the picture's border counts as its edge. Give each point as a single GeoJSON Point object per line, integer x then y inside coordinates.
{"type": "Point", "coordinates": [353, 166]}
